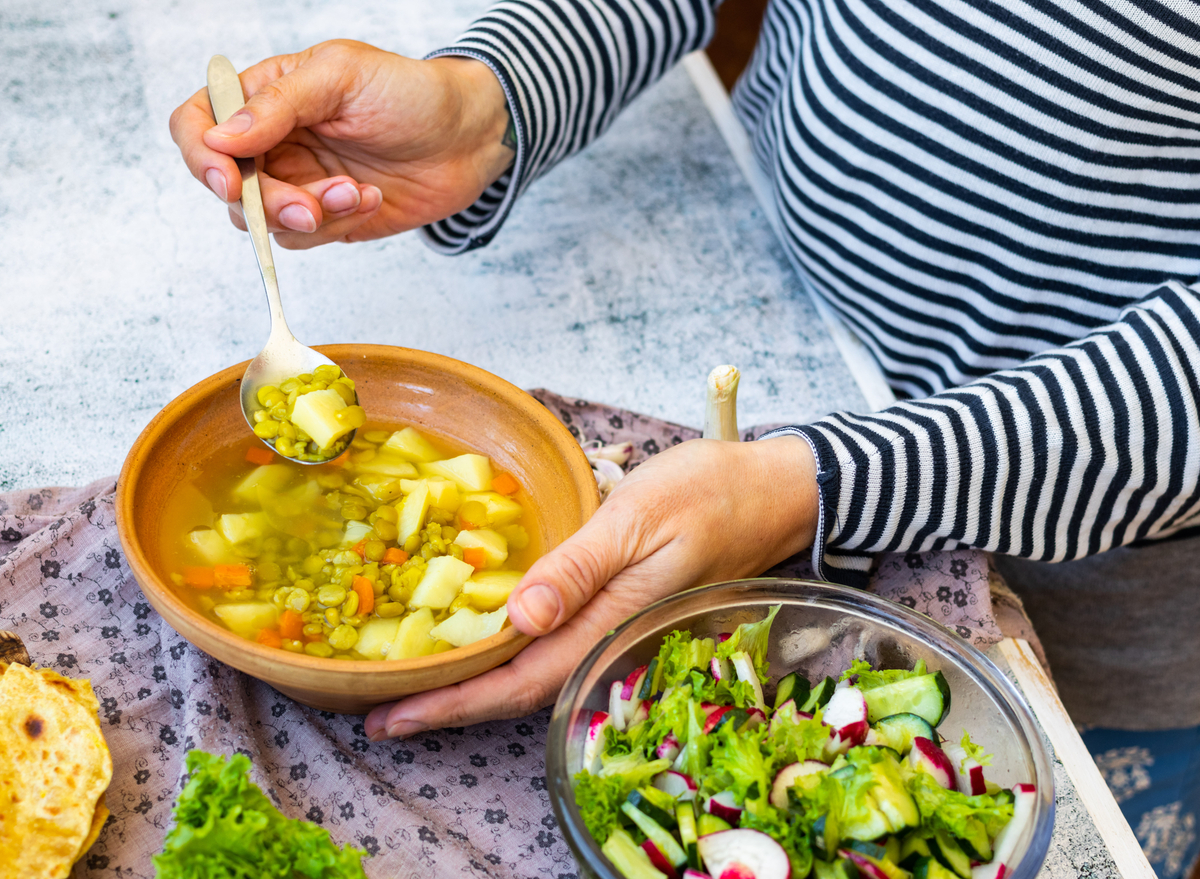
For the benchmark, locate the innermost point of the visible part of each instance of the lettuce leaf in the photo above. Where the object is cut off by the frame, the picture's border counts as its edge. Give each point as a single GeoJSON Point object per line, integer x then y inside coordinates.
{"type": "Point", "coordinates": [740, 765]}
{"type": "Point", "coordinates": [866, 678]}
{"type": "Point", "coordinates": [599, 800]}
{"type": "Point", "coordinates": [751, 638]}
{"type": "Point", "coordinates": [950, 810]}
{"type": "Point", "coordinates": [795, 739]}
{"type": "Point", "coordinates": [679, 654]}
{"type": "Point", "coordinates": [226, 828]}
{"type": "Point", "coordinates": [974, 751]}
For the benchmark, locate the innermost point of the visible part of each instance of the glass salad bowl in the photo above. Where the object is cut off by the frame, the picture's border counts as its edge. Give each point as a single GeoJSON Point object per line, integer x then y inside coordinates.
{"type": "Point", "coordinates": [819, 630]}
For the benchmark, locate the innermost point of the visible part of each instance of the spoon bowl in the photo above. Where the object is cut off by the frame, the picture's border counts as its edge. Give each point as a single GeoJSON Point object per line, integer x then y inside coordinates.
{"type": "Point", "coordinates": [282, 357]}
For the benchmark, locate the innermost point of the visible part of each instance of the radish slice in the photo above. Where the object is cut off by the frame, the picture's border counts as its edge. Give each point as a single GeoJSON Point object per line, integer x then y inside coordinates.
{"type": "Point", "coordinates": [743, 854]}
{"type": "Point", "coordinates": [721, 669]}
{"type": "Point", "coordinates": [866, 868]}
{"type": "Point", "coordinates": [789, 775]}
{"type": "Point", "coordinates": [689, 873]}
{"type": "Point", "coordinates": [676, 784]}
{"type": "Point", "coordinates": [616, 708]}
{"type": "Point", "coordinates": [968, 771]}
{"type": "Point", "coordinates": [928, 757]}
{"type": "Point", "coordinates": [669, 749]}
{"type": "Point", "coordinates": [593, 745]}
{"type": "Point", "coordinates": [1024, 804]}
{"type": "Point", "coordinates": [723, 637]}
{"type": "Point", "coordinates": [725, 807]}
{"type": "Point", "coordinates": [845, 707]}
{"type": "Point", "coordinates": [633, 682]}
{"type": "Point", "coordinates": [659, 860]}
{"type": "Point", "coordinates": [641, 711]}
{"type": "Point", "coordinates": [756, 719]}
{"type": "Point", "coordinates": [714, 717]}
{"type": "Point", "coordinates": [743, 667]}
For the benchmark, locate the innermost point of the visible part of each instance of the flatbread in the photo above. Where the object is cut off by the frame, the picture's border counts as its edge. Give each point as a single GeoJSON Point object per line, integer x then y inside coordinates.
{"type": "Point", "coordinates": [54, 769]}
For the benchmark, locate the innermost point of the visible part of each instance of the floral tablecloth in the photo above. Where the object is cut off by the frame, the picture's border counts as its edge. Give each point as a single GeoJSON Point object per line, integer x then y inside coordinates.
{"type": "Point", "coordinates": [467, 801]}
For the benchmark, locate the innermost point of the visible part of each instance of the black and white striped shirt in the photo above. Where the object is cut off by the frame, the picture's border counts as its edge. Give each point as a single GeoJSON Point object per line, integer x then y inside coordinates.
{"type": "Point", "coordinates": [1001, 198]}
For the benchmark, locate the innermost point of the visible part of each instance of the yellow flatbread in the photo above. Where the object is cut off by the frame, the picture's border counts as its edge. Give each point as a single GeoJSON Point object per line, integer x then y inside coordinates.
{"type": "Point", "coordinates": [54, 769]}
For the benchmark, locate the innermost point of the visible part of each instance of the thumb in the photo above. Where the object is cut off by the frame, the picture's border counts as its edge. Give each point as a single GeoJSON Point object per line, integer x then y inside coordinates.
{"type": "Point", "coordinates": [307, 95]}
{"type": "Point", "coordinates": [566, 578]}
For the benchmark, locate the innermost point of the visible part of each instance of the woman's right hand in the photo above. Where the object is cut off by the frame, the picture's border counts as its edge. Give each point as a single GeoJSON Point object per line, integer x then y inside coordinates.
{"type": "Point", "coordinates": [356, 143]}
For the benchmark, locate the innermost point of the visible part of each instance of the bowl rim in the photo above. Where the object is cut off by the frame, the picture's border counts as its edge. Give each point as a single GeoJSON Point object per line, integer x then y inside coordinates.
{"type": "Point", "coordinates": [174, 607]}
{"type": "Point", "coordinates": [764, 591]}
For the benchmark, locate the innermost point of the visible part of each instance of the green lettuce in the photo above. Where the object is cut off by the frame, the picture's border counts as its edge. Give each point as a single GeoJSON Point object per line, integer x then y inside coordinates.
{"type": "Point", "coordinates": [751, 638]}
{"type": "Point", "coordinates": [599, 800]}
{"type": "Point", "coordinates": [679, 654]}
{"type": "Point", "coordinates": [794, 739]}
{"type": "Point", "coordinates": [951, 811]}
{"type": "Point", "coordinates": [866, 678]}
{"type": "Point", "coordinates": [974, 751]}
{"type": "Point", "coordinates": [225, 828]}
{"type": "Point", "coordinates": [739, 764]}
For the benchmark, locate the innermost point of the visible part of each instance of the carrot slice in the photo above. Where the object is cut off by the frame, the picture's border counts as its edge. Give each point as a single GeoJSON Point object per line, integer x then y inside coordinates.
{"type": "Point", "coordinates": [395, 556]}
{"type": "Point", "coordinates": [291, 624]}
{"type": "Point", "coordinates": [201, 578]}
{"type": "Point", "coordinates": [361, 549]}
{"type": "Point", "coordinates": [227, 576]}
{"type": "Point", "coordinates": [366, 594]}
{"type": "Point", "coordinates": [269, 638]}
{"type": "Point", "coordinates": [313, 639]}
{"type": "Point", "coordinates": [475, 557]}
{"type": "Point", "coordinates": [257, 454]}
{"type": "Point", "coordinates": [505, 484]}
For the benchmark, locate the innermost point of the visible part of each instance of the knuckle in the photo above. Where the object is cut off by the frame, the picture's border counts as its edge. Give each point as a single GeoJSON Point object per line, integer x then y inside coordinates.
{"type": "Point", "coordinates": [580, 571]}
{"type": "Point", "coordinates": [528, 699]}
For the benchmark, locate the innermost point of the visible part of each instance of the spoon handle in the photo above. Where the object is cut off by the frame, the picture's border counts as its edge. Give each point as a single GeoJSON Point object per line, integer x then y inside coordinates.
{"type": "Point", "coordinates": [225, 95]}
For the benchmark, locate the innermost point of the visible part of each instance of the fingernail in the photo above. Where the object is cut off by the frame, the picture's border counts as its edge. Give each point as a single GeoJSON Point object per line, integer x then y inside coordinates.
{"type": "Point", "coordinates": [372, 198]}
{"type": "Point", "coordinates": [378, 736]}
{"type": "Point", "coordinates": [238, 123]}
{"type": "Point", "coordinates": [340, 198]}
{"type": "Point", "coordinates": [402, 729]}
{"type": "Point", "coordinates": [540, 605]}
{"type": "Point", "coordinates": [297, 217]}
{"type": "Point", "coordinates": [216, 182]}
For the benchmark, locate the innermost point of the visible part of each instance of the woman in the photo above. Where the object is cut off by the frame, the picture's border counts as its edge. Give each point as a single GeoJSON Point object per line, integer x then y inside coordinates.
{"type": "Point", "coordinates": [1002, 200]}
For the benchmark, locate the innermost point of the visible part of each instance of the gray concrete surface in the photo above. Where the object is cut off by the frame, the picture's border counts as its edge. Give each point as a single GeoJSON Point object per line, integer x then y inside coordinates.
{"type": "Point", "coordinates": [623, 276]}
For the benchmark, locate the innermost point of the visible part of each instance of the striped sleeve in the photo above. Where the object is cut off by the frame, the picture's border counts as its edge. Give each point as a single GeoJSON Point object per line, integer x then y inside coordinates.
{"type": "Point", "coordinates": [568, 67]}
{"type": "Point", "coordinates": [1077, 450]}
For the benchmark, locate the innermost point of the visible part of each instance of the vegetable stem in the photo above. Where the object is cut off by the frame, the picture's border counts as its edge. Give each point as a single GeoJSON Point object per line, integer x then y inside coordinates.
{"type": "Point", "coordinates": [720, 411]}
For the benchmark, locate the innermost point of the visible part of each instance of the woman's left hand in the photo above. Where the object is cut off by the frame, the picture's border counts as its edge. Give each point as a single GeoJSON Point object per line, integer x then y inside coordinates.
{"type": "Point", "coordinates": [699, 512]}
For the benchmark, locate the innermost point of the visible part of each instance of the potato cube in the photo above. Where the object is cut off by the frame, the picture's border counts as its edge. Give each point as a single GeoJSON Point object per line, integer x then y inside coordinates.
{"type": "Point", "coordinates": [244, 531]}
{"type": "Point", "coordinates": [501, 510]}
{"type": "Point", "coordinates": [412, 637]}
{"type": "Point", "coordinates": [247, 618]}
{"type": "Point", "coordinates": [489, 590]}
{"type": "Point", "coordinates": [315, 413]}
{"type": "Point", "coordinates": [355, 531]}
{"type": "Point", "coordinates": [376, 637]}
{"type": "Point", "coordinates": [495, 547]}
{"type": "Point", "coordinates": [469, 472]}
{"type": "Point", "coordinates": [413, 512]}
{"type": "Point", "coordinates": [411, 446]}
{"type": "Point", "coordinates": [443, 579]}
{"type": "Point", "coordinates": [466, 626]}
{"type": "Point", "coordinates": [210, 546]}
{"type": "Point", "coordinates": [386, 465]}
{"type": "Point", "coordinates": [272, 476]}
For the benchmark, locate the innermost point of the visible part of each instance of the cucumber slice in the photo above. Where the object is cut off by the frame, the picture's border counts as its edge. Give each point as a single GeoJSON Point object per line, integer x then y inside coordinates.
{"type": "Point", "coordinates": [819, 696]}
{"type": "Point", "coordinates": [736, 716]}
{"type": "Point", "coordinates": [975, 841]}
{"type": "Point", "coordinates": [912, 849]}
{"type": "Point", "coordinates": [869, 849]}
{"type": "Point", "coordinates": [657, 834]}
{"type": "Point", "coordinates": [707, 824]}
{"type": "Point", "coordinates": [641, 801]}
{"type": "Point", "coordinates": [950, 854]}
{"type": "Point", "coordinates": [899, 730]}
{"type": "Point", "coordinates": [628, 857]}
{"type": "Point", "coordinates": [927, 868]}
{"type": "Point", "coordinates": [825, 837]}
{"type": "Point", "coordinates": [927, 696]}
{"type": "Point", "coordinates": [794, 686]}
{"type": "Point", "coordinates": [649, 687]}
{"type": "Point", "coordinates": [685, 816]}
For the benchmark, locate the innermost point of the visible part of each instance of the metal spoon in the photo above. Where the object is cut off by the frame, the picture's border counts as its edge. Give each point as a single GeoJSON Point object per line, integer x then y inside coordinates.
{"type": "Point", "coordinates": [282, 357]}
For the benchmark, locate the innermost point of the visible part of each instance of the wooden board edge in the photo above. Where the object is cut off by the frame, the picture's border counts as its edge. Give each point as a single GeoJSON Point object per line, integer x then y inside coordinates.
{"type": "Point", "coordinates": [1118, 836]}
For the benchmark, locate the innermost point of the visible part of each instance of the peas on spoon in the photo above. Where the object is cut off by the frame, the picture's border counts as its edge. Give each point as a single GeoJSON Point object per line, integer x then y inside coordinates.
{"type": "Point", "coordinates": [295, 400]}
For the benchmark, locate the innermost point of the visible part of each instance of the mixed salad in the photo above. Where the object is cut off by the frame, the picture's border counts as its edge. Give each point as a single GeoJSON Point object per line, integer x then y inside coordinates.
{"type": "Point", "coordinates": [690, 773]}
